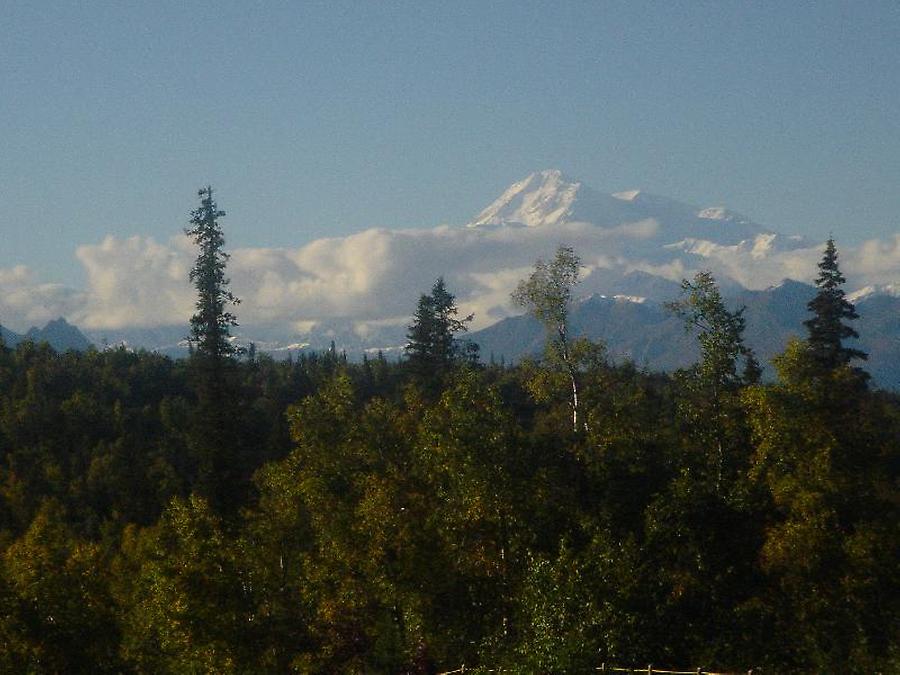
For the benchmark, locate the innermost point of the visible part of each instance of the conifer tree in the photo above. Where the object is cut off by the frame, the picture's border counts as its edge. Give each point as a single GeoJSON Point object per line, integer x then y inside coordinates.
{"type": "Point", "coordinates": [432, 347]}
{"type": "Point", "coordinates": [216, 432]}
{"type": "Point", "coordinates": [827, 328]}
{"type": "Point", "coordinates": [210, 325]}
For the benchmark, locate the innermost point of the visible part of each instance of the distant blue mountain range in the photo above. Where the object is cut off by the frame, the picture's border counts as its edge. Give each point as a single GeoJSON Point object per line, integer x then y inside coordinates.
{"type": "Point", "coordinates": [644, 332]}
{"type": "Point", "coordinates": [635, 328]}
{"type": "Point", "coordinates": [59, 334]}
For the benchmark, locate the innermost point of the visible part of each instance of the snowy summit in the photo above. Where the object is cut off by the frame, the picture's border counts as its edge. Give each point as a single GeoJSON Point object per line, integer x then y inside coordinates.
{"type": "Point", "coordinates": [548, 198]}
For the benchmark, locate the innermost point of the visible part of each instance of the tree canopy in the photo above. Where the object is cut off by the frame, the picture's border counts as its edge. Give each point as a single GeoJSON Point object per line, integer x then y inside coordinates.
{"type": "Point", "coordinates": [333, 516]}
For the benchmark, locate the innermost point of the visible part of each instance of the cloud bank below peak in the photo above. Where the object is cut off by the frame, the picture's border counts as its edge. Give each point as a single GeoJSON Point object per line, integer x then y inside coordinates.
{"type": "Point", "coordinates": [374, 277]}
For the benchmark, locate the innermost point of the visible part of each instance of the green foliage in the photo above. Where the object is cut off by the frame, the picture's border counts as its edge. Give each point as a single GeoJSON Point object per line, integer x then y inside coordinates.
{"type": "Point", "coordinates": [827, 458]}
{"type": "Point", "coordinates": [58, 615]}
{"type": "Point", "coordinates": [546, 294]}
{"type": "Point", "coordinates": [187, 610]}
{"type": "Point", "coordinates": [719, 331]}
{"type": "Point", "coordinates": [580, 608]}
{"type": "Point", "coordinates": [709, 404]}
{"type": "Point", "coordinates": [325, 516]}
{"type": "Point", "coordinates": [548, 291]}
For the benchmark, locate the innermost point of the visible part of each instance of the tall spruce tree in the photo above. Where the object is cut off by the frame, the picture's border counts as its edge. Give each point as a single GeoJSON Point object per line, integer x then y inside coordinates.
{"type": "Point", "coordinates": [827, 328]}
{"type": "Point", "coordinates": [210, 325]}
{"type": "Point", "coordinates": [216, 437]}
{"type": "Point", "coordinates": [432, 348]}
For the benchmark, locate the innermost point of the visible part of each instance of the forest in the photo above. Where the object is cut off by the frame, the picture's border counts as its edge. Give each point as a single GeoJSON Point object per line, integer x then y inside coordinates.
{"type": "Point", "coordinates": [228, 513]}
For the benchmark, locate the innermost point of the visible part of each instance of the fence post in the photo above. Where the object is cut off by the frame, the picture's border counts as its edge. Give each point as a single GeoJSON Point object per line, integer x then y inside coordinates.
{"type": "Point", "coordinates": [603, 668]}
{"type": "Point", "coordinates": [650, 669]}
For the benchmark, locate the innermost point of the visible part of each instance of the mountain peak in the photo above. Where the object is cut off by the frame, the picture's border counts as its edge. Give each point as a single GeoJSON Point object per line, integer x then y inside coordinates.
{"type": "Point", "coordinates": [549, 197]}
{"type": "Point", "coordinates": [542, 198]}
{"type": "Point", "coordinates": [867, 292]}
{"type": "Point", "coordinates": [722, 214]}
{"type": "Point", "coordinates": [60, 334]}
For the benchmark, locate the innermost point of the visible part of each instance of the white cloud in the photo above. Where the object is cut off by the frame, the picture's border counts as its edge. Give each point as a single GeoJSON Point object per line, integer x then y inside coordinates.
{"type": "Point", "coordinates": [374, 277]}
{"type": "Point", "coordinates": [136, 282]}
{"type": "Point", "coordinates": [876, 261]}
{"type": "Point", "coordinates": [25, 301]}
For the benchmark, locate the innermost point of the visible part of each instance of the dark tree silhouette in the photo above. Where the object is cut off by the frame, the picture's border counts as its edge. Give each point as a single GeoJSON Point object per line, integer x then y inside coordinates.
{"type": "Point", "coordinates": [210, 325]}
{"type": "Point", "coordinates": [432, 348]}
{"type": "Point", "coordinates": [216, 430]}
{"type": "Point", "coordinates": [827, 328]}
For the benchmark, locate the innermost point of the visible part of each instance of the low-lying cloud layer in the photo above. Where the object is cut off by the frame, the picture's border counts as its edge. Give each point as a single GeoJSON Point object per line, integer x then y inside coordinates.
{"type": "Point", "coordinates": [376, 275]}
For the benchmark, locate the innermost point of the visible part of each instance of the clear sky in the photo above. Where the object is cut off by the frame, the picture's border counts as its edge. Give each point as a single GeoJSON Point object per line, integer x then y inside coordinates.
{"type": "Point", "coordinates": [318, 119]}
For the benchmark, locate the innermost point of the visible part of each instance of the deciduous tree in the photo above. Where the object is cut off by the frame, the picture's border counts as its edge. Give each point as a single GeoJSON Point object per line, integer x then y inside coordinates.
{"type": "Point", "coordinates": [710, 402]}
{"type": "Point", "coordinates": [546, 294]}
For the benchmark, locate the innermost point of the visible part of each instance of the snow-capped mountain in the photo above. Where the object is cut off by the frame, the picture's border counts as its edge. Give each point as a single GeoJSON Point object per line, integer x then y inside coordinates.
{"type": "Point", "coordinates": [549, 198]}
{"type": "Point", "coordinates": [360, 290]}
{"type": "Point", "coordinates": [874, 290]}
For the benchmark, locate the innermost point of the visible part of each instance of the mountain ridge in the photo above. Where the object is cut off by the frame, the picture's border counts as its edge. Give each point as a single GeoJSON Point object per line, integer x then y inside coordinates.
{"type": "Point", "coordinates": [58, 333]}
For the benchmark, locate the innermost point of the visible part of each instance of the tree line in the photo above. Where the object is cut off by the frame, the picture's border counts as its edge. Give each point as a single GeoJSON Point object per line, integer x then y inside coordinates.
{"type": "Point", "coordinates": [227, 513]}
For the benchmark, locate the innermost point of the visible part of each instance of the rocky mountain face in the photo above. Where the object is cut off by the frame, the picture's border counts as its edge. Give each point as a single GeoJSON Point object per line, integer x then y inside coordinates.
{"type": "Point", "coordinates": [59, 334]}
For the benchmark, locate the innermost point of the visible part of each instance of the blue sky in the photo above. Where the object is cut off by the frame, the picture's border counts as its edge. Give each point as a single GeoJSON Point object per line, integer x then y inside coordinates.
{"type": "Point", "coordinates": [321, 119]}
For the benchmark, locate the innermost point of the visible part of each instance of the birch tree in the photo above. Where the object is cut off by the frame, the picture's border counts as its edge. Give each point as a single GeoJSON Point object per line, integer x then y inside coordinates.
{"type": "Point", "coordinates": [547, 294]}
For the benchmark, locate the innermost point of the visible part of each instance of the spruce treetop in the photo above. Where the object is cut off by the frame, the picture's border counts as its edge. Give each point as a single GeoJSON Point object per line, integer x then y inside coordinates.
{"type": "Point", "coordinates": [827, 328]}
{"type": "Point", "coordinates": [432, 347]}
{"type": "Point", "coordinates": [211, 323]}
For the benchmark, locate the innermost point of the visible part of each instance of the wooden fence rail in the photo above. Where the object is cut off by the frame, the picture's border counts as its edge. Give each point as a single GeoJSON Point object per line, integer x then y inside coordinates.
{"type": "Point", "coordinates": [603, 668]}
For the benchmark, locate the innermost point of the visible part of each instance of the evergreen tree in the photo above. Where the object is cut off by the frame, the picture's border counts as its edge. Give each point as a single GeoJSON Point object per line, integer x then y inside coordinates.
{"type": "Point", "coordinates": [210, 325]}
{"type": "Point", "coordinates": [216, 432]}
{"type": "Point", "coordinates": [433, 350]}
{"type": "Point", "coordinates": [830, 309]}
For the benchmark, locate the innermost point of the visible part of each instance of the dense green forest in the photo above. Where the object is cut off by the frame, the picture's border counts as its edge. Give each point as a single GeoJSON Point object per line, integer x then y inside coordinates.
{"type": "Point", "coordinates": [232, 514]}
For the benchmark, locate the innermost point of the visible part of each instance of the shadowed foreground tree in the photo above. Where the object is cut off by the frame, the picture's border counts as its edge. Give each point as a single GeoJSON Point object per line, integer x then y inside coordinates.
{"type": "Point", "coordinates": [830, 308]}
{"type": "Point", "coordinates": [828, 460]}
{"type": "Point", "coordinates": [433, 349]}
{"type": "Point", "coordinates": [709, 402]}
{"type": "Point", "coordinates": [216, 430]}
